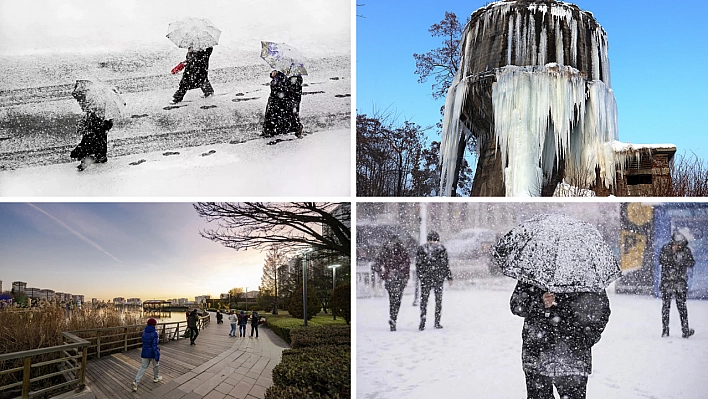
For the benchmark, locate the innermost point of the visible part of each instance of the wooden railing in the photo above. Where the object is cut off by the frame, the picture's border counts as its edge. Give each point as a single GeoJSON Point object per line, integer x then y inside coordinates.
{"type": "Point", "coordinates": [67, 360]}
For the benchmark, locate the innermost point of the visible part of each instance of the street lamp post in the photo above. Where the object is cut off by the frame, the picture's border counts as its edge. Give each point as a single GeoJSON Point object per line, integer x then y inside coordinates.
{"type": "Point", "coordinates": [304, 287]}
{"type": "Point", "coordinates": [334, 278]}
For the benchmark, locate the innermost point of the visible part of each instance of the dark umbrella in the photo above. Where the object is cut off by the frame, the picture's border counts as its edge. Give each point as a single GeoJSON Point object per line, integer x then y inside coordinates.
{"type": "Point", "coordinates": [557, 253]}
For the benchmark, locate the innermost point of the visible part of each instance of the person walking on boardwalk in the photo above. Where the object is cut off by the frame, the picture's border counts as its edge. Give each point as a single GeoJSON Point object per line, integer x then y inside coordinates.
{"type": "Point", "coordinates": [149, 354]}
{"type": "Point", "coordinates": [233, 320]}
{"type": "Point", "coordinates": [196, 74]}
{"type": "Point", "coordinates": [254, 323]}
{"type": "Point", "coordinates": [675, 259]}
{"type": "Point", "coordinates": [219, 317]}
{"type": "Point", "coordinates": [432, 269]}
{"type": "Point", "coordinates": [394, 267]}
{"type": "Point", "coordinates": [192, 323]}
{"type": "Point", "coordinates": [242, 321]}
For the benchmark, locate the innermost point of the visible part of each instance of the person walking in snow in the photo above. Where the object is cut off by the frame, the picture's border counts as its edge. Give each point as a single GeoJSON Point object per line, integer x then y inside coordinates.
{"type": "Point", "coordinates": [558, 334]}
{"type": "Point", "coordinates": [675, 259]}
{"type": "Point", "coordinates": [233, 320]}
{"type": "Point", "coordinates": [394, 267]}
{"type": "Point", "coordinates": [294, 96]}
{"type": "Point", "coordinates": [242, 322]}
{"type": "Point", "coordinates": [93, 147]}
{"type": "Point", "coordinates": [193, 326]}
{"type": "Point", "coordinates": [432, 268]}
{"type": "Point", "coordinates": [196, 74]}
{"type": "Point", "coordinates": [254, 323]}
{"type": "Point", "coordinates": [278, 113]}
{"type": "Point", "coordinates": [149, 354]}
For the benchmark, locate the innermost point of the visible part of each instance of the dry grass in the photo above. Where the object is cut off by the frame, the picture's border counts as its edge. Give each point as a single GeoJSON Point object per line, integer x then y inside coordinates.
{"type": "Point", "coordinates": [689, 177]}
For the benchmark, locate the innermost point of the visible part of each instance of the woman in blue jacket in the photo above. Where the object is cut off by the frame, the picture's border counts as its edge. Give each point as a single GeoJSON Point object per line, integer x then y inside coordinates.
{"type": "Point", "coordinates": [150, 353]}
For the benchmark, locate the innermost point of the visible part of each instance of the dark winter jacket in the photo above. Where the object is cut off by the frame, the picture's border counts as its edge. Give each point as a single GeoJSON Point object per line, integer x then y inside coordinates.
{"type": "Point", "coordinates": [393, 265]}
{"type": "Point", "coordinates": [431, 264]}
{"type": "Point", "coordinates": [196, 70]}
{"type": "Point", "coordinates": [294, 92]}
{"type": "Point", "coordinates": [242, 318]}
{"type": "Point", "coordinates": [151, 350]}
{"type": "Point", "coordinates": [557, 341]}
{"type": "Point", "coordinates": [674, 267]}
{"type": "Point", "coordinates": [193, 320]}
{"type": "Point", "coordinates": [279, 107]}
{"type": "Point", "coordinates": [94, 135]}
{"type": "Point", "coordinates": [254, 318]}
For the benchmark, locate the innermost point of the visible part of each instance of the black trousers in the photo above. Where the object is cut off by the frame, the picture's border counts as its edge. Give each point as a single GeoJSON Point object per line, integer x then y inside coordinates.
{"type": "Point", "coordinates": [395, 293]}
{"type": "Point", "coordinates": [680, 305]}
{"type": "Point", "coordinates": [424, 294]}
{"type": "Point", "coordinates": [254, 327]}
{"type": "Point", "coordinates": [194, 332]}
{"type": "Point", "coordinates": [184, 86]}
{"type": "Point", "coordinates": [569, 387]}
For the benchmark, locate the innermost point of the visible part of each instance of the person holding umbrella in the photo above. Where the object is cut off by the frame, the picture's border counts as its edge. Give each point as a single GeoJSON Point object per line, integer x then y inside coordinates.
{"type": "Point", "coordinates": [198, 36]}
{"type": "Point", "coordinates": [394, 266]}
{"type": "Point", "coordinates": [282, 113]}
{"type": "Point", "coordinates": [279, 106]}
{"type": "Point", "coordinates": [675, 259]}
{"type": "Point", "coordinates": [563, 267]}
{"type": "Point", "coordinates": [432, 269]}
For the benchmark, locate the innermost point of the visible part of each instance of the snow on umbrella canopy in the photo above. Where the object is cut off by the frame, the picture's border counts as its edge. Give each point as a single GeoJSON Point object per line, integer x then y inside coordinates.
{"type": "Point", "coordinates": [197, 33]}
{"type": "Point", "coordinates": [99, 97]}
{"type": "Point", "coordinates": [557, 253]}
{"type": "Point", "coordinates": [283, 58]}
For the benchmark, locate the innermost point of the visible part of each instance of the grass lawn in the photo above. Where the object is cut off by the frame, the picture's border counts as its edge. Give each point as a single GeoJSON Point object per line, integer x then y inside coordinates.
{"type": "Point", "coordinates": [283, 320]}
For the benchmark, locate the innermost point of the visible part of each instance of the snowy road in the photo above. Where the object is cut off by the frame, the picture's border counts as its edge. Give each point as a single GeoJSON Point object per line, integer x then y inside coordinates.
{"type": "Point", "coordinates": [478, 352]}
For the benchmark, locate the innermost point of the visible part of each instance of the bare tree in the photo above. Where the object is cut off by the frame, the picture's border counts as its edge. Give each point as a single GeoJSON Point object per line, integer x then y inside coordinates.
{"type": "Point", "coordinates": [269, 280]}
{"type": "Point", "coordinates": [323, 227]}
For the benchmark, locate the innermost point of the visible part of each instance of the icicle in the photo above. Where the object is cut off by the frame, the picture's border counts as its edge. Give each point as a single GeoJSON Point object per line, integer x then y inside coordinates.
{"type": "Point", "coordinates": [452, 131]}
{"type": "Point", "coordinates": [559, 42]}
{"type": "Point", "coordinates": [573, 42]}
{"type": "Point", "coordinates": [510, 40]}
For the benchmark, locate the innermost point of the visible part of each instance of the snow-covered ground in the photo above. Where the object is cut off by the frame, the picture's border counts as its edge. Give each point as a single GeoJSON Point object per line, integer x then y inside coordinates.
{"type": "Point", "coordinates": [246, 169]}
{"type": "Point", "coordinates": [478, 352]}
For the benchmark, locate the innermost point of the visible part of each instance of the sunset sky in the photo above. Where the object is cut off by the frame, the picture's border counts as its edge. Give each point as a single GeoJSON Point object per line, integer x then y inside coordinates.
{"type": "Point", "coordinates": [129, 249]}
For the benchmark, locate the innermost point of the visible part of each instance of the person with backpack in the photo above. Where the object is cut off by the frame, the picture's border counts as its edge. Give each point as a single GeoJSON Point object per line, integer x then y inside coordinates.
{"type": "Point", "coordinates": [149, 354]}
{"type": "Point", "coordinates": [394, 267]}
{"type": "Point", "coordinates": [432, 269]}
{"type": "Point", "coordinates": [254, 323]}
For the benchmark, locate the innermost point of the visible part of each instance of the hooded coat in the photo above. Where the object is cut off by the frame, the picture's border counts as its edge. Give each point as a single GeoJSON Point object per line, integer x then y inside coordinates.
{"type": "Point", "coordinates": [431, 264]}
{"type": "Point", "coordinates": [196, 70]}
{"type": "Point", "coordinates": [243, 319]}
{"type": "Point", "coordinates": [278, 113]}
{"type": "Point", "coordinates": [150, 339]}
{"type": "Point", "coordinates": [674, 266]}
{"type": "Point", "coordinates": [557, 341]}
{"type": "Point", "coordinates": [393, 265]}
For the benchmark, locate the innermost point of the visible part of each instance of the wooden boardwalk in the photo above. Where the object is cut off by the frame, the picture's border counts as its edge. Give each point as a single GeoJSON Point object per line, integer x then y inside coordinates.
{"type": "Point", "coordinates": [217, 367]}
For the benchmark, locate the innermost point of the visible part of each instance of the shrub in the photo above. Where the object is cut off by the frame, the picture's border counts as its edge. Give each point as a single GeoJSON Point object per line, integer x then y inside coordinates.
{"type": "Point", "coordinates": [325, 371]}
{"type": "Point", "coordinates": [280, 392]}
{"type": "Point", "coordinates": [295, 304]}
{"type": "Point", "coordinates": [341, 302]}
{"type": "Point", "coordinates": [318, 336]}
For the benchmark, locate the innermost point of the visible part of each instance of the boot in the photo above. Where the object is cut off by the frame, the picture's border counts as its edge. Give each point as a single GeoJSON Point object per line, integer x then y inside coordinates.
{"type": "Point", "coordinates": [392, 324]}
{"type": "Point", "coordinates": [688, 333]}
{"type": "Point", "coordinates": [437, 325]}
{"type": "Point", "coordinates": [421, 327]}
{"type": "Point", "coordinates": [665, 332]}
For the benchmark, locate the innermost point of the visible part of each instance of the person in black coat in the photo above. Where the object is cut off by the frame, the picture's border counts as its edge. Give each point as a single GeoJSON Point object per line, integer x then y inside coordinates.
{"type": "Point", "coordinates": [432, 270]}
{"type": "Point", "coordinates": [558, 334]}
{"type": "Point", "coordinates": [294, 95]}
{"type": "Point", "coordinates": [193, 326]}
{"type": "Point", "coordinates": [394, 267]}
{"type": "Point", "coordinates": [196, 74]}
{"type": "Point", "coordinates": [255, 319]}
{"type": "Point", "coordinates": [94, 140]}
{"type": "Point", "coordinates": [278, 113]}
{"type": "Point", "coordinates": [675, 259]}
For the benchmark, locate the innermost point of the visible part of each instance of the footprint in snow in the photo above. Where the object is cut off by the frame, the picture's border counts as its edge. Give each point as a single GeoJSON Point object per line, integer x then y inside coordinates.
{"type": "Point", "coordinates": [334, 78]}
{"type": "Point", "coordinates": [236, 100]}
{"type": "Point", "coordinates": [209, 153]}
{"type": "Point", "coordinates": [207, 106]}
{"type": "Point", "coordinates": [137, 162]}
{"type": "Point", "coordinates": [342, 95]}
{"type": "Point", "coordinates": [170, 153]}
{"type": "Point", "coordinates": [138, 116]}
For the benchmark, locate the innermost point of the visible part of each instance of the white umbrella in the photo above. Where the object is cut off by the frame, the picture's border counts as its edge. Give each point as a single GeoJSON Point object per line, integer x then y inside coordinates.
{"type": "Point", "coordinates": [283, 58]}
{"type": "Point", "coordinates": [99, 97]}
{"type": "Point", "coordinates": [197, 33]}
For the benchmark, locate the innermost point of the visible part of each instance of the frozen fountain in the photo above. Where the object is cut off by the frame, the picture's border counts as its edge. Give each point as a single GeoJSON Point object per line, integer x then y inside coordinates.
{"type": "Point", "coordinates": [533, 87]}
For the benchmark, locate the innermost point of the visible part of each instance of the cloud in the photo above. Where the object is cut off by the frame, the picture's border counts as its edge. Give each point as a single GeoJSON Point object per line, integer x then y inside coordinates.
{"type": "Point", "coordinates": [74, 232]}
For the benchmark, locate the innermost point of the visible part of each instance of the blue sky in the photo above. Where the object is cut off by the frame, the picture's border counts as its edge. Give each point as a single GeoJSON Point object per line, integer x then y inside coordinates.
{"type": "Point", "coordinates": [657, 53]}
{"type": "Point", "coordinates": [106, 250]}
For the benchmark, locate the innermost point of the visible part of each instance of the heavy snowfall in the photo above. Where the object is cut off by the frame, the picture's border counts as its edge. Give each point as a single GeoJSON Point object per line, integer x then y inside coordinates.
{"type": "Point", "coordinates": [202, 146]}
{"type": "Point", "coordinates": [477, 353]}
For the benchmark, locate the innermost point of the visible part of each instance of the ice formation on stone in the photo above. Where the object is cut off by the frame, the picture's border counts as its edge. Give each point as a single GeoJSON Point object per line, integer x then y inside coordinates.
{"type": "Point", "coordinates": [542, 112]}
